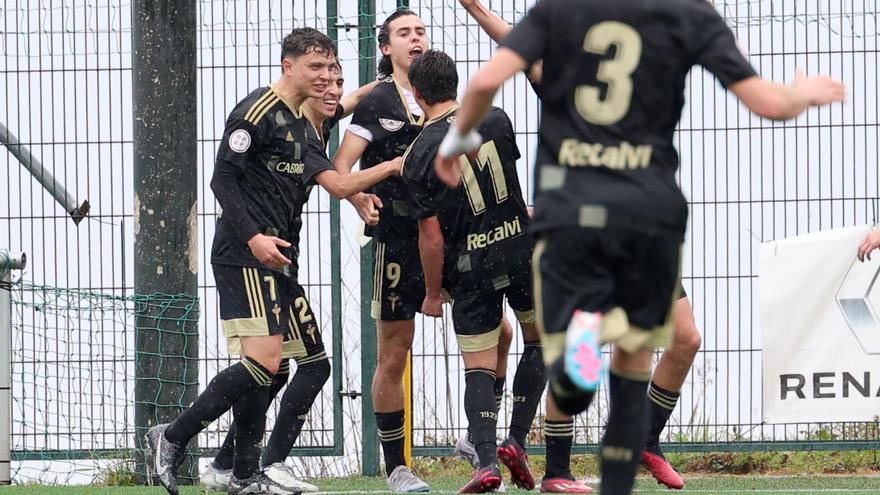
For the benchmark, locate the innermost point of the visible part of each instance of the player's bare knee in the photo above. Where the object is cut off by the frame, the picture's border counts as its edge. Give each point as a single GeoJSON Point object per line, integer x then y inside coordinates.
{"type": "Point", "coordinates": [391, 365]}
{"type": "Point", "coordinates": [686, 340]}
{"type": "Point", "coordinates": [530, 332]}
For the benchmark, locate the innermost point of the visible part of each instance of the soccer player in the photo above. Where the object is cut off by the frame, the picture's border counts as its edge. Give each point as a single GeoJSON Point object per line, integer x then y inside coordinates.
{"type": "Point", "coordinates": [259, 180]}
{"type": "Point", "coordinates": [473, 244]}
{"type": "Point", "coordinates": [382, 128]}
{"type": "Point", "coordinates": [675, 362]}
{"type": "Point", "coordinates": [312, 366]}
{"type": "Point", "coordinates": [609, 215]}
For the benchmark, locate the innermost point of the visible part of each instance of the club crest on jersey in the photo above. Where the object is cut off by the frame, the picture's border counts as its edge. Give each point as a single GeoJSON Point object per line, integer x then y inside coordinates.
{"type": "Point", "coordinates": [239, 141]}
{"type": "Point", "coordinates": [451, 119]}
{"type": "Point", "coordinates": [391, 125]}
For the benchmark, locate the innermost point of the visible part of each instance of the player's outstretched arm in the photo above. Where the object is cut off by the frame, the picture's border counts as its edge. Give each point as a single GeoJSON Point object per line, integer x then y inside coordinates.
{"type": "Point", "coordinates": [344, 185]}
{"type": "Point", "coordinates": [868, 244]}
{"type": "Point", "coordinates": [349, 152]}
{"type": "Point", "coordinates": [783, 102]}
{"type": "Point", "coordinates": [350, 101]}
{"type": "Point", "coordinates": [462, 138]}
{"type": "Point", "coordinates": [496, 27]}
{"type": "Point", "coordinates": [431, 253]}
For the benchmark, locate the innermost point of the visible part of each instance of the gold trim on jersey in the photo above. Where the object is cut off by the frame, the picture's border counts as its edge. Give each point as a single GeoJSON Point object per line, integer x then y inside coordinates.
{"type": "Point", "coordinates": [443, 115]}
{"type": "Point", "coordinates": [261, 106]}
{"type": "Point", "coordinates": [477, 343]}
{"type": "Point", "coordinates": [296, 111]}
{"type": "Point", "coordinates": [406, 153]}
{"type": "Point", "coordinates": [409, 115]}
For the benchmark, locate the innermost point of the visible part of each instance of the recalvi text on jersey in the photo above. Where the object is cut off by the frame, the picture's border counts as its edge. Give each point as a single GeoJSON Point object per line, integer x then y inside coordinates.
{"type": "Point", "coordinates": [624, 156]}
{"type": "Point", "coordinates": [511, 228]}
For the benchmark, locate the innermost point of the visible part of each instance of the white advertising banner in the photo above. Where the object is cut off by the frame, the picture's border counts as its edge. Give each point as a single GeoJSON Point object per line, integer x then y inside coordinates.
{"type": "Point", "coordinates": [820, 320]}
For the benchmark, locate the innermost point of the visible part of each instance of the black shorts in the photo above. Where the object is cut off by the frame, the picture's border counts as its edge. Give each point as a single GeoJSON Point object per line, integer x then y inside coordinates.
{"type": "Point", "coordinates": [477, 318]}
{"type": "Point", "coordinates": [398, 280]}
{"type": "Point", "coordinates": [628, 276]}
{"type": "Point", "coordinates": [259, 302]}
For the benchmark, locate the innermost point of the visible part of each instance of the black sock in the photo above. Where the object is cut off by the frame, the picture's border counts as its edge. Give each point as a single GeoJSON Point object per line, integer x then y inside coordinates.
{"type": "Point", "coordinates": [391, 436]}
{"type": "Point", "coordinates": [568, 397]}
{"type": "Point", "coordinates": [499, 391]}
{"type": "Point", "coordinates": [625, 435]}
{"type": "Point", "coordinates": [559, 434]}
{"type": "Point", "coordinates": [479, 405]}
{"type": "Point", "coordinates": [528, 387]}
{"type": "Point", "coordinates": [499, 396]}
{"type": "Point", "coordinates": [249, 414]}
{"type": "Point", "coordinates": [226, 454]}
{"type": "Point", "coordinates": [224, 390]}
{"type": "Point", "coordinates": [662, 402]}
{"type": "Point", "coordinates": [296, 402]}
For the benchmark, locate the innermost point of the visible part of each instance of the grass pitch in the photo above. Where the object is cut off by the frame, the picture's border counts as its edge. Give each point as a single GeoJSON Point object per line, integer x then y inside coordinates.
{"type": "Point", "coordinates": [447, 485]}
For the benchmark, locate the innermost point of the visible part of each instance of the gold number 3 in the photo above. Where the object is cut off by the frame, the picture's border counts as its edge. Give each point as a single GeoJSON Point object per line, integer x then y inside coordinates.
{"type": "Point", "coordinates": [615, 72]}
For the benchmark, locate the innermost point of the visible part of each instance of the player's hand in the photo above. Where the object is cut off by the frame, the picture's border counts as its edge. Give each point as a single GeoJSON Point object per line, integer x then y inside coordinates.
{"type": "Point", "coordinates": [869, 243]}
{"type": "Point", "coordinates": [367, 206]}
{"type": "Point", "coordinates": [819, 90]}
{"type": "Point", "coordinates": [265, 249]}
{"type": "Point", "coordinates": [393, 166]}
{"type": "Point", "coordinates": [433, 305]}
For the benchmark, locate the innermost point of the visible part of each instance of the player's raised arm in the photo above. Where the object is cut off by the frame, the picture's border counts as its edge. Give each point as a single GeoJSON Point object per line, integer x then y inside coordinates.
{"type": "Point", "coordinates": [350, 101]}
{"type": "Point", "coordinates": [715, 48]}
{"type": "Point", "coordinates": [496, 27]}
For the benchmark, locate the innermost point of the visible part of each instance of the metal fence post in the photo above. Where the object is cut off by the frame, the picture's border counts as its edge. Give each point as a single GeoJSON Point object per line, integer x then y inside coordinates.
{"type": "Point", "coordinates": [367, 69]}
{"type": "Point", "coordinates": [8, 262]}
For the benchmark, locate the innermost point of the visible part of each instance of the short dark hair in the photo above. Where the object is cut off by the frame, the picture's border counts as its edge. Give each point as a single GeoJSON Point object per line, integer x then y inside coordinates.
{"type": "Point", "coordinates": [434, 76]}
{"type": "Point", "coordinates": [301, 41]}
{"type": "Point", "coordinates": [385, 68]}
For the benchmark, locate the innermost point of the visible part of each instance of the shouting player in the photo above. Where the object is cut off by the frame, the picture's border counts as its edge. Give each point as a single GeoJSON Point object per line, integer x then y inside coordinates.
{"type": "Point", "coordinates": [609, 215]}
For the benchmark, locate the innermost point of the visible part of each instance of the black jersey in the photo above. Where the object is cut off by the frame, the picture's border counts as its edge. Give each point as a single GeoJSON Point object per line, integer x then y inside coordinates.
{"type": "Point", "coordinates": [484, 221]}
{"type": "Point", "coordinates": [384, 118]}
{"type": "Point", "coordinates": [268, 142]}
{"type": "Point", "coordinates": [329, 124]}
{"type": "Point", "coordinates": [612, 91]}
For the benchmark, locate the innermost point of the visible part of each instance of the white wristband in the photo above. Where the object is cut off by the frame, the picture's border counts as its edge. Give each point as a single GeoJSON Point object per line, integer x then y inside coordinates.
{"type": "Point", "coordinates": [455, 143]}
